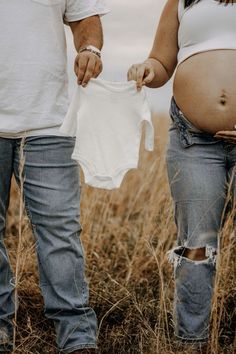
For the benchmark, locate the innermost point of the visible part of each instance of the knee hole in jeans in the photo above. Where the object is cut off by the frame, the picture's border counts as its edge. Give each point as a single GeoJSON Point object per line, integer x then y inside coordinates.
{"type": "Point", "coordinates": [196, 254]}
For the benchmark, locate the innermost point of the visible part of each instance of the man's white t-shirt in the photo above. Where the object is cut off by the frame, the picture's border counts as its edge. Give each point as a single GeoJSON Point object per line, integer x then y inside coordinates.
{"type": "Point", "coordinates": [33, 62]}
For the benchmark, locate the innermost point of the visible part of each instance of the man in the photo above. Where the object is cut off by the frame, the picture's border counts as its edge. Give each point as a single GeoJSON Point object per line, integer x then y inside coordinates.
{"type": "Point", "coordinates": [33, 103]}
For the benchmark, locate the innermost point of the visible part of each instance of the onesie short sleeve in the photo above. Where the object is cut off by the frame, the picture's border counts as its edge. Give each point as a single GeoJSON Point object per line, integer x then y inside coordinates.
{"type": "Point", "coordinates": [79, 9]}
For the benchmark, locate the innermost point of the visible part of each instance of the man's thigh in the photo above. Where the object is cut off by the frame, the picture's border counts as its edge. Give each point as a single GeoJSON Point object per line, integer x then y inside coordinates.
{"type": "Point", "coordinates": [52, 199]}
{"type": "Point", "coordinates": [51, 181]}
{"type": "Point", "coordinates": [6, 168]}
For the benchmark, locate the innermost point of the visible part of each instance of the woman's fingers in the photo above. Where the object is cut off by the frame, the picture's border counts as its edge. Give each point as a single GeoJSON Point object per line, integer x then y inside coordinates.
{"type": "Point", "coordinates": [227, 132]}
{"type": "Point", "coordinates": [141, 73]}
{"type": "Point", "coordinates": [140, 76]}
{"type": "Point", "coordinates": [228, 135]}
{"type": "Point", "coordinates": [132, 73]}
{"type": "Point", "coordinates": [150, 74]}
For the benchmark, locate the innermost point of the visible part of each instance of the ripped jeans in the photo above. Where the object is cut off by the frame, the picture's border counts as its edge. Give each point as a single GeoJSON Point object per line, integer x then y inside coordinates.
{"type": "Point", "coordinates": [199, 168]}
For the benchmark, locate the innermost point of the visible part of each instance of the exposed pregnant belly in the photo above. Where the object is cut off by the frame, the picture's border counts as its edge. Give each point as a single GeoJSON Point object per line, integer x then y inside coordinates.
{"type": "Point", "coordinates": [205, 90]}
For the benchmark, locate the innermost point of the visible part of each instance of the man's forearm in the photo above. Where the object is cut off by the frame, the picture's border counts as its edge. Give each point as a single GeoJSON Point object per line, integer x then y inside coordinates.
{"type": "Point", "coordinates": [87, 32]}
{"type": "Point", "coordinates": [87, 64]}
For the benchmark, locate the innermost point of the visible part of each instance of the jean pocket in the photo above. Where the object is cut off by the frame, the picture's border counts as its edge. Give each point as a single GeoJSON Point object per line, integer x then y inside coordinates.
{"type": "Point", "coordinates": [47, 2]}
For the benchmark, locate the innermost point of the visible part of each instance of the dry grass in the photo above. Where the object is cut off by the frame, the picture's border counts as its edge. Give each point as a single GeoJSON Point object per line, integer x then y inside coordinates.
{"type": "Point", "coordinates": [126, 234]}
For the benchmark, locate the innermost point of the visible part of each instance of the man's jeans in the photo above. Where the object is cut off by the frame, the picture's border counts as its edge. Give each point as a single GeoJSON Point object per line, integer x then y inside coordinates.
{"type": "Point", "coordinates": [199, 169]}
{"type": "Point", "coordinates": [51, 196]}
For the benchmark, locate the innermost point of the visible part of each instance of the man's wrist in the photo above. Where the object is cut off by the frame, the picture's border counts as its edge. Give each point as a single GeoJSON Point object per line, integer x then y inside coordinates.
{"type": "Point", "coordinates": [91, 49]}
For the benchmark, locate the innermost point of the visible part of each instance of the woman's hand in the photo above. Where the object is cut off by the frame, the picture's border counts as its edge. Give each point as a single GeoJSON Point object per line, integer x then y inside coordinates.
{"type": "Point", "coordinates": [142, 73]}
{"type": "Point", "coordinates": [228, 135]}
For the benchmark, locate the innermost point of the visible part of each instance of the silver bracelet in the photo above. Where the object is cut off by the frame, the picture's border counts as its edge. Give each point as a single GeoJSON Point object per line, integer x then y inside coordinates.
{"type": "Point", "coordinates": [91, 49]}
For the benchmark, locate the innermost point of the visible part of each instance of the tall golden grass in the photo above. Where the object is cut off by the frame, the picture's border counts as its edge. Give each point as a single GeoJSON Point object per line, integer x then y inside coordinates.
{"type": "Point", "coordinates": [126, 234]}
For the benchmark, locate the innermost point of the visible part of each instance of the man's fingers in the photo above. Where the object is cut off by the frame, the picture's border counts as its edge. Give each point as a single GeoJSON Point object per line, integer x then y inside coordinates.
{"type": "Point", "coordinates": [98, 68]}
{"type": "Point", "coordinates": [81, 67]}
{"type": "Point", "coordinates": [87, 65]}
{"type": "Point", "coordinates": [89, 73]}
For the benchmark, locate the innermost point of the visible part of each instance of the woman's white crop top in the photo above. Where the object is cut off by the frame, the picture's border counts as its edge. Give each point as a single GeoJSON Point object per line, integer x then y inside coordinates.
{"type": "Point", "coordinates": [204, 26]}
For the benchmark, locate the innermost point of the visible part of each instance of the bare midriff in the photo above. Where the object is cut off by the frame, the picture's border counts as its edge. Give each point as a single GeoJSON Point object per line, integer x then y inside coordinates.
{"type": "Point", "coordinates": [204, 89]}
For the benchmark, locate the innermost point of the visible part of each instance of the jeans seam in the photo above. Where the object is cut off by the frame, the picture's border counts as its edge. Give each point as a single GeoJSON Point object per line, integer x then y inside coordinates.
{"type": "Point", "coordinates": [83, 282]}
{"type": "Point", "coordinates": [34, 231]}
{"type": "Point", "coordinates": [83, 254]}
{"type": "Point", "coordinates": [28, 211]}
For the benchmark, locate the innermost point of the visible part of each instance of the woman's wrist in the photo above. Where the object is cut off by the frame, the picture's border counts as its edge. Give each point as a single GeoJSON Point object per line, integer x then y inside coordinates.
{"type": "Point", "coordinates": [160, 74]}
{"type": "Point", "coordinates": [151, 61]}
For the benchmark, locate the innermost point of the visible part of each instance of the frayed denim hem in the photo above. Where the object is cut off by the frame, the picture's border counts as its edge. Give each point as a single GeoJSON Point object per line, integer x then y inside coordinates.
{"type": "Point", "coordinates": [191, 341]}
{"type": "Point", "coordinates": [78, 347]}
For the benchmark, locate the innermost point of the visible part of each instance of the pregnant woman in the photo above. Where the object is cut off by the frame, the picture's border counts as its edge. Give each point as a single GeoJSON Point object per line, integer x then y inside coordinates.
{"type": "Point", "coordinates": [198, 39]}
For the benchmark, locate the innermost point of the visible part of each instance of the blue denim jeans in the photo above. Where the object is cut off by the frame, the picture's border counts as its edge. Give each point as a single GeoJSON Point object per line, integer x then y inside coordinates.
{"type": "Point", "coordinates": [52, 200]}
{"type": "Point", "coordinates": [200, 168]}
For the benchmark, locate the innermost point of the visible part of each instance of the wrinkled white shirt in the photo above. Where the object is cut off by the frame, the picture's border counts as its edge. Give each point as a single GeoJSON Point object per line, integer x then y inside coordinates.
{"type": "Point", "coordinates": [33, 62]}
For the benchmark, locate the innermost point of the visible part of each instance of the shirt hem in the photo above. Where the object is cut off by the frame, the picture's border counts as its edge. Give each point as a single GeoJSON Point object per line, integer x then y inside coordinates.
{"type": "Point", "coordinates": [20, 136]}
{"type": "Point", "coordinates": [191, 53]}
{"type": "Point", "coordinates": [85, 14]}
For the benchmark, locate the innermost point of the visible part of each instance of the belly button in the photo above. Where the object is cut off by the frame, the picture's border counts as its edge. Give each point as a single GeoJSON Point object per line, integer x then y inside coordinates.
{"type": "Point", "coordinates": [222, 101]}
{"type": "Point", "coordinates": [223, 98]}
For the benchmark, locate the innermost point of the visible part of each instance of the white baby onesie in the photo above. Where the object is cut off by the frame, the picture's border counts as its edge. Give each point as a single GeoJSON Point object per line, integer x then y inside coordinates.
{"type": "Point", "coordinates": [106, 119]}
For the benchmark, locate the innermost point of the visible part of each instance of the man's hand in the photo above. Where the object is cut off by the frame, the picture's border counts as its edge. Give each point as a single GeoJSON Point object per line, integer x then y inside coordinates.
{"type": "Point", "coordinates": [226, 135]}
{"type": "Point", "coordinates": [87, 32]}
{"type": "Point", "coordinates": [87, 65]}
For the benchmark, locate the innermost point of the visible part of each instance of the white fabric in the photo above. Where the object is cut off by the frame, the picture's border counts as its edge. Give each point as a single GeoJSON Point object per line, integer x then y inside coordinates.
{"type": "Point", "coordinates": [106, 118]}
{"type": "Point", "coordinates": [33, 62]}
{"type": "Point", "coordinates": [204, 26]}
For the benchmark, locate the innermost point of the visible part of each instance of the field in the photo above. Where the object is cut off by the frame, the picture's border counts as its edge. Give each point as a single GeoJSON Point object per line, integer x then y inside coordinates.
{"type": "Point", "coordinates": [126, 234]}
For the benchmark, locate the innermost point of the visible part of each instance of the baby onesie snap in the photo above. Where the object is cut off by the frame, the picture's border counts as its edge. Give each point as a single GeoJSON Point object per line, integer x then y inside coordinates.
{"type": "Point", "coordinates": [106, 118]}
